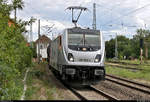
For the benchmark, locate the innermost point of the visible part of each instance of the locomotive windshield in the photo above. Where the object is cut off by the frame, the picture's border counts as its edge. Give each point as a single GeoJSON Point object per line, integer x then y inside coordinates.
{"type": "Point", "coordinates": [84, 41]}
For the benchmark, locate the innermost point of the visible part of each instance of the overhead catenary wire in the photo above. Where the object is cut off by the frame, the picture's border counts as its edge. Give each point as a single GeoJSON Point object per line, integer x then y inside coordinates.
{"type": "Point", "coordinates": [122, 24]}
{"type": "Point", "coordinates": [131, 12]}
{"type": "Point", "coordinates": [108, 9]}
{"type": "Point", "coordinates": [44, 18]}
{"type": "Point", "coordinates": [128, 26]}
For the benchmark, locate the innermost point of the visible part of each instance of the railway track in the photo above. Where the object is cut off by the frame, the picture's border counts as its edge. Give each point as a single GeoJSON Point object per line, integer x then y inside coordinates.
{"type": "Point", "coordinates": [128, 83]}
{"type": "Point", "coordinates": [125, 67]}
{"type": "Point", "coordinates": [91, 93]}
{"type": "Point", "coordinates": [110, 97]}
{"type": "Point", "coordinates": [97, 94]}
{"type": "Point", "coordinates": [125, 63]}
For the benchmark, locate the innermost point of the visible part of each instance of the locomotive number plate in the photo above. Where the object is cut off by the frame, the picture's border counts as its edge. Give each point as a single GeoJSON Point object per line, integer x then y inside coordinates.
{"type": "Point", "coordinates": [84, 60]}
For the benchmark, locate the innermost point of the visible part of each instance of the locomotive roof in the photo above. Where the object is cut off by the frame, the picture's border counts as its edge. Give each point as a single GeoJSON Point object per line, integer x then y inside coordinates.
{"type": "Point", "coordinates": [81, 31]}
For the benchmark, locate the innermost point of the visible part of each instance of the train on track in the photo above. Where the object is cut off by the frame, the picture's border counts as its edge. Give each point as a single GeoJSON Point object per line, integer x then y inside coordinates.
{"type": "Point", "coordinates": [78, 55]}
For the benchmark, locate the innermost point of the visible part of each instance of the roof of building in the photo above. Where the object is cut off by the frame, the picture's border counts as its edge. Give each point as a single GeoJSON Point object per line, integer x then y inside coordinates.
{"type": "Point", "coordinates": [43, 39]}
{"type": "Point", "coordinates": [11, 22]}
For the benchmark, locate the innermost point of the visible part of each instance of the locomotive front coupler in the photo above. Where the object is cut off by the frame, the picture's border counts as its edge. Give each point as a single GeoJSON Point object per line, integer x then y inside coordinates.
{"type": "Point", "coordinates": [63, 76]}
{"type": "Point", "coordinates": [63, 73]}
{"type": "Point", "coordinates": [84, 76]}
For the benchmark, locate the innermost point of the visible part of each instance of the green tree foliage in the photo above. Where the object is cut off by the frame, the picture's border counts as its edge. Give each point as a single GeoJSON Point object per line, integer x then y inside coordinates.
{"type": "Point", "coordinates": [17, 4]}
{"type": "Point", "coordinates": [128, 47]}
{"type": "Point", "coordinates": [34, 50]}
{"type": "Point", "coordinates": [110, 48]}
{"type": "Point", "coordinates": [4, 8]}
{"type": "Point", "coordinates": [124, 48]}
{"type": "Point", "coordinates": [141, 33]}
{"type": "Point", "coordinates": [15, 56]}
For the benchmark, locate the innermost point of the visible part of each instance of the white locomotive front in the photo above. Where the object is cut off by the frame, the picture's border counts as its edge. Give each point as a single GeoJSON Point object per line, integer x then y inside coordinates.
{"type": "Point", "coordinates": [78, 55]}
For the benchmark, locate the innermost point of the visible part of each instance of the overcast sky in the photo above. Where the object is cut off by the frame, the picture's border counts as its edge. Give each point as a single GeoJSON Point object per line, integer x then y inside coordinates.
{"type": "Point", "coordinates": [124, 15]}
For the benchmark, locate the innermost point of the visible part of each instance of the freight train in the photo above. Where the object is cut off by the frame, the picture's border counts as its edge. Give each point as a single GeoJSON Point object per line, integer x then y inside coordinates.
{"type": "Point", "coordinates": [78, 55]}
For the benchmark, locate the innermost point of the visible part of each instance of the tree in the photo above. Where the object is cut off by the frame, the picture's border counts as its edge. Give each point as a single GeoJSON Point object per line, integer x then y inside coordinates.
{"type": "Point", "coordinates": [17, 4]}
{"type": "Point", "coordinates": [110, 48]}
{"type": "Point", "coordinates": [15, 56]}
{"type": "Point", "coordinates": [4, 8]}
{"type": "Point", "coordinates": [124, 48]}
{"type": "Point", "coordinates": [144, 34]}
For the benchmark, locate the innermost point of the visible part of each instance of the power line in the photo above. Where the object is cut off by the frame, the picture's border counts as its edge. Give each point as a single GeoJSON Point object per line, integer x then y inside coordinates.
{"type": "Point", "coordinates": [109, 9]}
{"type": "Point", "coordinates": [129, 13]}
{"type": "Point", "coordinates": [40, 12]}
{"type": "Point", "coordinates": [64, 17]}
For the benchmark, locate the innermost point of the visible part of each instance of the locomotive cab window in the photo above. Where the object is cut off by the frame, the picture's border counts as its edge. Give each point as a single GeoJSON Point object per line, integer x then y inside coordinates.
{"type": "Point", "coordinates": [84, 41]}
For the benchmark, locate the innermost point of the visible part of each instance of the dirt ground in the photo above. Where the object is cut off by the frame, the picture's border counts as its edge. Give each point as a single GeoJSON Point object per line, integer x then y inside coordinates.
{"type": "Point", "coordinates": [43, 85]}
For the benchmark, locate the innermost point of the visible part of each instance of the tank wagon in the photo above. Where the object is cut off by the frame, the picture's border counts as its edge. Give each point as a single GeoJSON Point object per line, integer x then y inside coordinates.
{"type": "Point", "coordinates": [78, 55]}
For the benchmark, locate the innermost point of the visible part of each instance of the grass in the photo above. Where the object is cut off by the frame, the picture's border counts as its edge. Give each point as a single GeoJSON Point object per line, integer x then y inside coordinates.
{"type": "Point", "coordinates": [131, 61]}
{"type": "Point", "coordinates": [39, 85]}
{"type": "Point", "coordinates": [142, 75]}
{"type": "Point", "coordinates": [20, 84]}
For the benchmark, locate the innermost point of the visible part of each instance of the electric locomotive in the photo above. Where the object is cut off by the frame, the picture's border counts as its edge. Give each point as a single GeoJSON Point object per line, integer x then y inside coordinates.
{"type": "Point", "coordinates": [78, 55]}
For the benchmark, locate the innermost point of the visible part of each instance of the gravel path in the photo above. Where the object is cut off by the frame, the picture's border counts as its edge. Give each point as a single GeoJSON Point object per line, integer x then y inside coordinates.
{"type": "Point", "coordinates": [65, 93]}
{"type": "Point", "coordinates": [25, 86]}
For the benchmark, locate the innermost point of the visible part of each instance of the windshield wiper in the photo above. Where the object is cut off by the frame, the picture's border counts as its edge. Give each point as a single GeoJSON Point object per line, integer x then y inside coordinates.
{"type": "Point", "coordinates": [80, 42]}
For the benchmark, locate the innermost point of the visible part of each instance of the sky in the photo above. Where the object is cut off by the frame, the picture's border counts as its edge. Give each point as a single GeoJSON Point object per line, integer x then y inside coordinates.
{"type": "Point", "coordinates": [121, 17]}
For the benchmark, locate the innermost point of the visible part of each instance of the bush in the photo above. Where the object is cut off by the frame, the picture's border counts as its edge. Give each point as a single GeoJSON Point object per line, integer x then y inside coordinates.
{"type": "Point", "coordinates": [15, 56]}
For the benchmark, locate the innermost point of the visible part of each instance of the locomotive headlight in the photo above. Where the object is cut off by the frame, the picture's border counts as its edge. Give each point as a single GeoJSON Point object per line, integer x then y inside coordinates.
{"type": "Point", "coordinates": [97, 58]}
{"type": "Point", "coordinates": [70, 57]}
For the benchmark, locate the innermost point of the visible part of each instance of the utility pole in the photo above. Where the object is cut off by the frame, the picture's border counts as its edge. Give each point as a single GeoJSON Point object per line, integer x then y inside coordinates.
{"type": "Point", "coordinates": [141, 47]}
{"type": "Point", "coordinates": [31, 36]}
{"type": "Point", "coordinates": [146, 46]}
{"type": "Point", "coordinates": [28, 37]}
{"type": "Point", "coordinates": [52, 36]}
{"type": "Point", "coordinates": [141, 50]}
{"type": "Point", "coordinates": [116, 47]}
{"type": "Point", "coordinates": [94, 16]}
{"type": "Point", "coordinates": [39, 41]}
